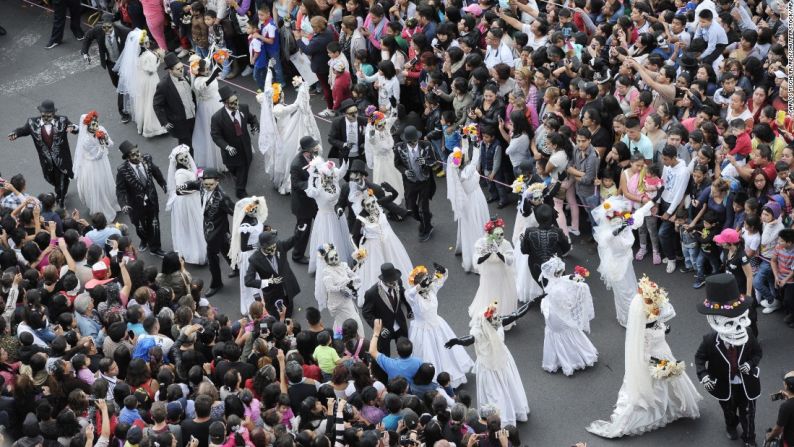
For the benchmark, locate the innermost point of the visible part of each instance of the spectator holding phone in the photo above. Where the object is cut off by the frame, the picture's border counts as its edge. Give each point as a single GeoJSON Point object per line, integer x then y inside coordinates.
{"type": "Point", "coordinates": [784, 427]}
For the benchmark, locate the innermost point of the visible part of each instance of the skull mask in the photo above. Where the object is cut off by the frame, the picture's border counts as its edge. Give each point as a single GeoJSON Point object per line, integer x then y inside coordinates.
{"type": "Point", "coordinates": [183, 159]}
{"type": "Point", "coordinates": [269, 250]}
{"type": "Point", "coordinates": [731, 330]}
{"type": "Point", "coordinates": [497, 235]}
{"type": "Point", "coordinates": [332, 257]}
{"type": "Point", "coordinates": [371, 206]}
{"type": "Point", "coordinates": [210, 184]}
{"type": "Point", "coordinates": [327, 181]}
{"type": "Point", "coordinates": [93, 126]}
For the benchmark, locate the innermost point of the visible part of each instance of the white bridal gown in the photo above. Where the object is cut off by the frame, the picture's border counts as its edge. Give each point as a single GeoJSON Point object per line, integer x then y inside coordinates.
{"type": "Point", "coordinates": [428, 332]}
{"type": "Point", "coordinates": [187, 217]}
{"type": "Point", "coordinates": [497, 279]}
{"type": "Point", "coordinates": [96, 186]}
{"type": "Point", "coordinates": [469, 207]}
{"type": "Point", "coordinates": [147, 80]}
{"type": "Point", "coordinates": [379, 150]}
{"type": "Point", "coordinates": [341, 300]}
{"type": "Point", "coordinates": [527, 288]}
{"type": "Point", "coordinates": [382, 246]}
{"type": "Point", "coordinates": [644, 403]}
{"type": "Point", "coordinates": [208, 101]}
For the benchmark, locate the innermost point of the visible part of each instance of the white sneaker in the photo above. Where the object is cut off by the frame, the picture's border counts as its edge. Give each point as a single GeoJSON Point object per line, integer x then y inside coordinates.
{"type": "Point", "coordinates": [773, 307]}
{"type": "Point", "coordinates": [573, 231]}
{"type": "Point", "coordinates": [247, 71]}
{"type": "Point", "coordinates": [327, 113]}
{"type": "Point", "coordinates": [181, 52]}
{"type": "Point", "coordinates": [670, 266]}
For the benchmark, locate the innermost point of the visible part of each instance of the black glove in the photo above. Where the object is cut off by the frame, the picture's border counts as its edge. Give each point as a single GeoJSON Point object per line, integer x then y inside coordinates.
{"type": "Point", "coordinates": [482, 259]}
{"type": "Point", "coordinates": [452, 342]}
{"type": "Point", "coordinates": [501, 256]}
{"type": "Point", "coordinates": [439, 268]}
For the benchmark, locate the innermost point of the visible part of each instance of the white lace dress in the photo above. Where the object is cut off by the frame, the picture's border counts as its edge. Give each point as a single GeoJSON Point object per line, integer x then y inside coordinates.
{"type": "Point", "coordinates": [497, 278]}
{"type": "Point", "coordinates": [96, 186]}
{"type": "Point", "coordinates": [340, 298]}
{"type": "Point", "coordinates": [379, 151]}
{"type": "Point", "coordinates": [206, 153]}
{"type": "Point", "coordinates": [382, 246]}
{"type": "Point", "coordinates": [327, 228]}
{"type": "Point", "coordinates": [470, 209]}
{"type": "Point", "coordinates": [527, 288]}
{"type": "Point", "coordinates": [247, 293]}
{"type": "Point", "coordinates": [187, 221]}
{"type": "Point", "coordinates": [428, 332]}
{"type": "Point", "coordinates": [147, 80]}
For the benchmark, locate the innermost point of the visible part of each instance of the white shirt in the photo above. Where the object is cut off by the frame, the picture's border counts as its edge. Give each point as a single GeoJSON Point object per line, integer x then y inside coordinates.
{"type": "Point", "coordinates": [676, 179]}
{"type": "Point", "coordinates": [501, 55]}
{"type": "Point", "coordinates": [352, 135]}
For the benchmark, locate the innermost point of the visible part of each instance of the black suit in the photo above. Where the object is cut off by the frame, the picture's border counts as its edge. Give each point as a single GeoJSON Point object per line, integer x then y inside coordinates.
{"type": "Point", "coordinates": [260, 269]}
{"type": "Point", "coordinates": [304, 208]}
{"type": "Point", "coordinates": [385, 200]}
{"type": "Point", "coordinates": [60, 8]}
{"type": "Point", "coordinates": [141, 196]}
{"type": "Point", "coordinates": [419, 181]}
{"type": "Point", "coordinates": [224, 133]}
{"type": "Point", "coordinates": [55, 157]}
{"type": "Point", "coordinates": [119, 36]}
{"type": "Point", "coordinates": [217, 210]}
{"type": "Point", "coordinates": [377, 305]}
{"type": "Point", "coordinates": [737, 400]}
{"type": "Point", "coordinates": [337, 138]}
{"type": "Point", "coordinates": [169, 108]}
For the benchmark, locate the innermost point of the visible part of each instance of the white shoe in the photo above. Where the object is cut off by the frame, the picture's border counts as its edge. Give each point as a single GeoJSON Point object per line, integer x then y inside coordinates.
{"type": "Point", "coordinates": [773, 307]}
{"type": "Point", "coordinates": [670, 266]}
{"type": "Point", "coordinates": [327, 113]}
{"type": "Point", "coordinates": [247, 71]}
{"type": "Point", "coordinates": [573, 232]}
{"type": "Point", "coordinates": [181, 52]}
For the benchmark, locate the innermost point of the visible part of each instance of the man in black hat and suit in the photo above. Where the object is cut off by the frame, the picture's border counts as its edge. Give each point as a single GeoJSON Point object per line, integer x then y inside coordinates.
{"type": "Point", "coordinates": [727, 359]}
{"type": "Point", "coordinates": [174, 102]}
{"type": "Point", "coordinates": [544, 241]}
{"type": "Point", "coordinates": [269, 270]}
{"type": "Point", "coordinates": [60, 8]}
{"type": "Point", "coordinates": [346, 136]}
{"type": "Point", "coordinates": [229, 130]}
{"type": "Point", "coordinates": [415, 160]}
{"type": "Point", "coordinates": [50, 136]}
{"type": "Point", "coordinates": [218, 208]}
{"type": "Point", "coordinates": [304, 208]}
{"type": "Point", "coordinates": [110, 37]}
{"type": "Point", "coordinates": [386, 301]}
{"type": "Point", "coordinates": [137, 195]}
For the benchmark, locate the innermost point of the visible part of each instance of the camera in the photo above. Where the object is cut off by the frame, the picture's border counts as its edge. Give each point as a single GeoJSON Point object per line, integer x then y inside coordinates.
{"type": "Point", "coordinates": [777, 396]}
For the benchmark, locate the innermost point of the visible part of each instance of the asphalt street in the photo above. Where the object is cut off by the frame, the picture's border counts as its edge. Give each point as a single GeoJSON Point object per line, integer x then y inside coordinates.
{"type": "Point", "coordinates": [560, 406]}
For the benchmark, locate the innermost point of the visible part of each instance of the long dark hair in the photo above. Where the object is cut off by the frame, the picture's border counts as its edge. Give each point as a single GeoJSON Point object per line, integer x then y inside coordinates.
{"type": "Point", "coordinates": [521, 124]}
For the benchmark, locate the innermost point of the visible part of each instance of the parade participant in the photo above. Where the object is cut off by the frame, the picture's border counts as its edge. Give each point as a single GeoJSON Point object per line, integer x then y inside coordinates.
{"type": "Point", "coordinates": [469, 207]}
{"type": "Point", "coordinates": [498, 380]}
{"type": "Point", "coordinates": [379, 150]}
{"type": "Point", "coordinates": [135, 189]}
{"type": "Point", "coordinates": [357, 188]}
{"type": "Point", "coordinates": [174, 102]}
{"type": "Point", "coordinates": [248, 223]}
{"type": "Point", "coordinates": [218, 207]}
{"type": "Point", "coordinates": [655, 390]}
{"type": "Point", "coordinates": [303, 207]}
{"type": "Point", "coordinates": [428, 331]}
{"type": "Point", "coordinates": [110, 38]}
{"type": "Point", "coordinates": [126, 71]}
{"type": "Point", "coordinates": [727, 359]}
{"type": "Point", "coordinates": [94, 178]}
{"type": "Point", "coordinates": [544, 241]}
{"type": "Point", "coordinates": [493, 255]}
{"type": "Point", "coordinates": [229, 130]}
{"type": "Point", "coordinates": [208, 101]}
{"type": "Point", "coordinates": [380, 242]}
{"type": "Point", "coordinates": [613, 233]}
{"type": "Point", "coordinates": [532, 196]}
{"type": "Point", "coordinates": [184, 203]}
{"type": "Point", "coordinates": [567, 310]}
{"type": "Point", "coordinates": [49, 134]}
{"type": "Point", "coordinates": [385, 301]}
{"type": "Point", "coordinates": [415, 160]}
{"type": "Point", "coordinates": [146, 80]}
{"type": "Point", "coordinates": [339, 286]}
{"type": "Point", "coordinates": [269, 270]}
{"type": "Point", "coordinates": [347, 136]}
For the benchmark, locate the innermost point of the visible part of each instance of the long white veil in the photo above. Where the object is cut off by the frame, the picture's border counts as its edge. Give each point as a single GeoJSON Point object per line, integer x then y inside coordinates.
{"type": "Point", "coordinates": [269, 135]}
{"type": "Point", "coordinates": [79, 148]}
{"type": "Point", "coordinates": [127, 67]}
{"type": "Point", "coordinates": [237, 220]}
{"type": "Point", "coordinates": [172, 172]}
{"type": "Point", "coordinates": [637, 376]}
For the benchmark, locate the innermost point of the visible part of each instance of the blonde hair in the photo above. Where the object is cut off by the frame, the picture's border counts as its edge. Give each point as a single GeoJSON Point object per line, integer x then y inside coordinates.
{"type": "Point", "coordinates": [319, 24]}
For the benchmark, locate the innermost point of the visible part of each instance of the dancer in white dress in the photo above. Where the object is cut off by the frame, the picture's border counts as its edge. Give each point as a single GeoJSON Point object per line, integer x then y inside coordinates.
{"type": "Point", "coordinates": [281, 128]}
{"type": "Point", "coordinates": [567, 309]}
{"type": "Point", "coordinates": [494, 256]}
{"type": "Point", "coordinates": [95, 183]}
{"type": "Point", "coordinates": [208, 101]}
{"type": "Point", "coordinates": [379, 151]}
{"type": "Point", "coordinates": [250, 214]}
{"type": "Point", "coordinates": [328, 227]}
{"type": "Point", "coordinates": [498, 380]}
{"type": "Point", "coordinates": [531, 196]}
{"type": "Point", "coordinates": [655, 389]}
{"type": "Point", "coordinates": [381, 244]}
{"type": "Point", "coordinates": [468, 202]}
{"type": "Point", "coordinates": [146, 85]}
{"type": "Point", "coordinates": [127, 69]}
{"type": "Point", "coordinates": [184, 203]}
{"type": "Point", "coordinates": [341, 285]}
{"type": "Point", "coordinates": [614, 220]}
{"type": "Point", "coordinates": [428, 331]}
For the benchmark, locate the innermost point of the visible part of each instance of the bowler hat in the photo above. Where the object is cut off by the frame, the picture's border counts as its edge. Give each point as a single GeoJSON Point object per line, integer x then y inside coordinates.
{"type": "Point", "coordinates": [388, 273]}
{"type": "Point", "coordinates": [308, 143]}
{"type": "Point", "coordinates": [268, 238]}
{"type": "Point", "coordinates": [358, 166]}
{"type": "Point", "coordinates": [722, 297]}
{"type": "Point", "coordinates": [126, 147]}
{"type": "Point", "coordinates": [410, 133]}
{"type": "Point", "coordinates": [346, 104]}
{"type": "Point", "coordinates": [107, 18]}
{"type": "Point", "coordinates": [226, 92]}
{"type": "Point", "coordinates": [47, 106]}
{"type": "Point", "coordinates": [211, 173]}
{"type": "Point", "coordinates": [170, 60]}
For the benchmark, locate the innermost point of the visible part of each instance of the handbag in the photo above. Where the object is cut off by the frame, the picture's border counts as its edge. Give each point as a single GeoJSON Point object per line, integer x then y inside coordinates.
{"type": "Point", "coordinates": [773, 443]}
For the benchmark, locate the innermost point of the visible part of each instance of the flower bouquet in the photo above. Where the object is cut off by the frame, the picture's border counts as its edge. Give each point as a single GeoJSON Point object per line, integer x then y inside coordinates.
{"type": "Point", "coordinates": [360, 254]}
{"type": "Point", "coordinates": [580, 273]}
{"type": "Point", "coordinates": [220, 56]}
{"type": "Point", "coordinates": [470, 131]}
{"type": "Point", "coordinates": [518, 185]}
{"type": "Point", "coordinates": [664, 369]}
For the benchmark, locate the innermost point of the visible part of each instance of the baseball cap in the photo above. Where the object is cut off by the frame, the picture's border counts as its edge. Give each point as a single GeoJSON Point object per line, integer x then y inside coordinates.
{"type": "Point", "coordinates": [727, 236]}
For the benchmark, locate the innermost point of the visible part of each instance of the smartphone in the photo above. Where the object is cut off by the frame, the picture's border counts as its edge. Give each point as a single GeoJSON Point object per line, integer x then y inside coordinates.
{"type": "Point", "coordinates": [257, 296]}
{"type": "Point", "coordinates": [130, 334]}
{"type": "Point", "coordinates": [280, 305]}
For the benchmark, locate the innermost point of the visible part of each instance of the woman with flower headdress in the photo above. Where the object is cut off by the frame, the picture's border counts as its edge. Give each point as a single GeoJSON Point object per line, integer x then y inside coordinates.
{"type": "Point", "coordinates": [146, 84]}
{"type": "Point", "coordinates": [95, 183]}
{"type": "Point", "coordinates": [493, 254]}
{"type": "Point", "coordinates": [428, 331]}
{"type": "Point", "coordinates": [184, 203]}
{"type": "Point", "coordinates": [380, 242]}
{"type": "Point", "coordinates": [208, 101]}
{"type": "Point", "coordinates": [533, 194]}
{"type": "Point", "coordinates": [655, 389]}
{"type": "Point", "coordinates": [379, 150]}
{"type": "Point", "coordinates": [339, 284]}
{"type": "Point", "coordinates": [498, 380]}
{"type": "Point", "coordinates": [248, 222]}
{"type": "Point", "coordinates": [567, 309]}
{"type": "Point", "coordinates": [469, 206]}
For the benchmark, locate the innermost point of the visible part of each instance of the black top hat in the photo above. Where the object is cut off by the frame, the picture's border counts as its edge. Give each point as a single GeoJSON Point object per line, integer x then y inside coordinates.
{"type": "Point", "coordinates": [268, 238]}
{"type": "Point", "coordinates": [410, 133]}
{"type": "Point", "coordinates": [388, 273]}
{"type": "Point", "coordinates": [358, 166]}
{"type": "Point", "coordinates": [308, 143]}
{"type": "Point", "coordinates": [346, 104]}
{"type": "Point", "coordinates": [211, 173]}
{"type": "Point", "coordinates": [126, 147]}
{"type": "Point", "coordinates": [226, 92]}
{"type": "Point", "coordinates": [107, 18]}
{"type": "Point", "coordinates": [723, 297]}
{"type": "Point", "coordinates": [170, 60]}
{"type": "Point", "coordinates": [47, 106]}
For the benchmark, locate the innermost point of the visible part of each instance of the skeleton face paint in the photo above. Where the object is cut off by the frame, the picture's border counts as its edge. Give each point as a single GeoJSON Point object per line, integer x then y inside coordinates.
{"type": "Point", "coordinates": [332, 257]}
{"type": "Point", "coordinates": [134, 157]}
{"type": "Point", "coordinates": [371, 206]}
{"type": "Point", "coordinates": [210, 184]}
{"type": "Point", "coordinates": [93, 126]}
{"type": "Point", "coordinates": [269, 250]}
{"type": "Point", "coordinates": [178, 70]}
{"type": "Point", "coordinates": [497, 235]}
{"type": "Point", "coordinates": [47, 116]}
{"type": "Point", "coordinates": [183, 158]}
{"type": "Point", "coordinates": [232, 103]}
{"type": "Point", "coordinates": [731, 330]}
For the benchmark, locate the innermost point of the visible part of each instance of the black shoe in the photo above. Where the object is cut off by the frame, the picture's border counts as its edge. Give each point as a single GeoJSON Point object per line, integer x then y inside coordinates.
{"type": "Point", "coordinates": [143, 247]}
{"type": "Point", "coordinates": [125, 118]}
{"type": "Point", "coordinates": [426, 237]}
{"type": "Point", "coordinates": [301, 260]}
{"type": "Point", "coordinates": [234, 273]}
{"type": "Point", "coordinates": [501, 205]}
{"type": "Point", "coordinates": [213, 291]}
{"type": "Point", "coordinates": [158, 252]}
{"type": "Point", "coordinates": [732, 434]}
{"type": "Point", "coordinates": [492, 199]}
{"type": "Point", "coordinates": [52, 45]}
{"type": "Point", "coordinates": [241, 194]}
{"type": "Point", "coordinates": [686, 269]}
{"type": "Point", "coordinates": [81, 37]}
{"type": "Point", "coordinates": [750, 444]}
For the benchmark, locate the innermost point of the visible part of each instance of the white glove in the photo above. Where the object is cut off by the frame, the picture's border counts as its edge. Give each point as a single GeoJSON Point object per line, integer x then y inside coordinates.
{"type": "Point", "coordinates": [265, 284]}
{"type": "Point", "coordinates": [231, 151]}
{"type": "Point", "coordinates": [744, 368]}
{"type": "Point", "coordinates": [708, 383]}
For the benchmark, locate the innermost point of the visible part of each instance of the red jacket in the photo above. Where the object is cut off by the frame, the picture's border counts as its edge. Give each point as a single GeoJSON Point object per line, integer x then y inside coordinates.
{"type": "Point", "coordinates": [341, 88]}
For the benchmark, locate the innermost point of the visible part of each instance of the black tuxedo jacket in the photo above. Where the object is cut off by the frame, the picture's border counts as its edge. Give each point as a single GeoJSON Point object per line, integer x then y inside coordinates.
{"type": "Point", "coordinates": [377, 305]}
{"type": "Point", "coordinates": [303, 206]}
{"type": "Point", "coordinates": [384, 200]}
{"type": "Point", "coordinates": [218, 207]}
{"type": "Point", "coordinates": [60, 157]}
{"type": "Point", "coordinates": [337, 137]}
{"type": "Point", "coordinates": [259, 268]}
{"type": "Point", "coordinates": [169, 108]}
{"type": "Point", "coordinates": [402, 160]}
{"type": "Point", "coordinates": [98, 34]}
{"type": "Point", "coordinates": [711, 359]}
{"type": "Point", "coordinates": [130, 190]}
{"type": "Point", "coordinates": [223, 134]}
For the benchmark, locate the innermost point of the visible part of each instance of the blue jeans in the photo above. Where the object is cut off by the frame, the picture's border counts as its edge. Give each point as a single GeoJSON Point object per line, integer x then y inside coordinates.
{"type": "Point", "coordinates": [260, 73]}
{"type": "Point", "coordinates": [711, 258]}
{"type": "Point", "coordinates": [690, 255]}
{"type": "Point", "coordinates": [667, 234]}
{"type": "Point", "coordinates": [764, 282]}
{"type": "Point", "coordinates": [590, 202]}
{"type": "Point", "coordinates": [201, 52]}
